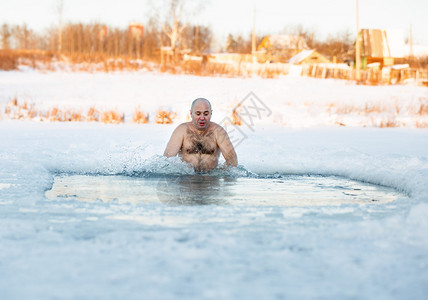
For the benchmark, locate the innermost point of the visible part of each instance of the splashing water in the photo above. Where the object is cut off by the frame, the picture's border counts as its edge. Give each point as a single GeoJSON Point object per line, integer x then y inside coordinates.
{"type": "Point", "coordinates": [173, 182]}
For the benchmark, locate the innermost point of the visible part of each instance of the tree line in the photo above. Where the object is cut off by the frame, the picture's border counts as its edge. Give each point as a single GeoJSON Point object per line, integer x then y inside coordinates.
{"type": "Point", "coordinates": [168, 27]}
{"type": "Point", "coordinates": [144, 40]}
{"type": "Point", "coordinates": [98, 38]}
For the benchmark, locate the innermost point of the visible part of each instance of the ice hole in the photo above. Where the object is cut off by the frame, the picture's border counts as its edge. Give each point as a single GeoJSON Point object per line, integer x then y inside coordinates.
{"type": "Point", "coordinates": [285, 190]}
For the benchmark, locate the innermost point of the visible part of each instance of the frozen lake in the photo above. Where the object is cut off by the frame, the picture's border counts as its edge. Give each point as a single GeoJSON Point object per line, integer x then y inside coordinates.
{"type": "Point", "coordinates": [93, 235]}
{"type": "Point", "coordinates": [296, 220]}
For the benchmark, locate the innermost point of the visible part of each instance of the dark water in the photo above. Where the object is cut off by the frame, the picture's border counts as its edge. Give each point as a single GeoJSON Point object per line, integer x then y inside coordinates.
{"type": "Point", "coordinates": [285, 190]}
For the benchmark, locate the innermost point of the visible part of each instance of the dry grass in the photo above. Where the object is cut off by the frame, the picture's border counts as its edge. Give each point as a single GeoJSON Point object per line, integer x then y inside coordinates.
{"type": "Point", "coordinates": [93, 115]}
{"type": "Point", "coordinates": [56, 115]}
{"type": "Point", "coordinates": [236, 118]}
{"type": "Point", "coordinates": [8, 61]}
{"type": "Point", "coordinates": [376, 113]}
{"type": "Point", "coordinates": [367, 109]}
{"type": "Point", "coordinates": [49, 61]}
{"type": "Point", "coordinates": [269, 73]}
{"type": "Point", "coordinates": [15, 110]}
{"type": "Point", "coordinates": [421, 124]}
{"type": "Point", "coordinates": [389, 123]}
{"type": "Point", "coordinates": [112, 117]}
{"type": "Point", "coordinates": [11, 59]}
{"type": "Point", "coordinates": [73, 116]}
{"type": "Point", "coordinates": [420, 109]}
{"type": "Point", "coordinates": [423, 109]}
{"type": "Point", "coordinates": [101, 62]}
{"type": "Point", "coordinates": [164, 117]}
{"type": "Point", "coordinates": [372, 108]}
{"type": "Point", "coordinates": [382, 115]}
{"type": "Point", "coordinates": [139, 117]}
{"type": "Point", "coordinates": [231, 69]}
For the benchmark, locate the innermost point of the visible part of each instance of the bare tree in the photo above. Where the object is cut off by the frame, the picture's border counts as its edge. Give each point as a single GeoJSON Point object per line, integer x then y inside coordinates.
{"type": "Point", "coordinates": [22, 36]}
{"type": "Point", "coordinates": [59, 8]}
{"type": "Point", "coordinates": [240, 44]}
{"type": "Point", "coordinates": [5, 36]}
{"type": "Point", "coordinates": [341, 46]}
{"type": "Point", "coordinates": [197, 38]}
{"type": "Point", "coordinates": [231, 44]}
{"type": "Point", "coordinates": [175, 20]}
{"type": "Point", "coordinates": [173, 28]}
{"type": "Point", "coordinates": [151, 40]}
{"type": "Point", "coordinates": [301, 32]}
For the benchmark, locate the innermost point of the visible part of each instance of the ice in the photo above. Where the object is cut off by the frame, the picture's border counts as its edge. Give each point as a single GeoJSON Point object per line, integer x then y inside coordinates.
{"type": "Point", "coordinates": [70, 249]}
{"type": "Point", "coordinates": [5, 185]}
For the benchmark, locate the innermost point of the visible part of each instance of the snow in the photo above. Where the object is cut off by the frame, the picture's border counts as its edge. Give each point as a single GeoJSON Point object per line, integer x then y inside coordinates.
{"type": "Point", "coordinates": [295, 101]}
{"type": "Point", "coordinates": [300, 56]}
{"type": "Point", "coordinates": [71, 249]}
{"type": "Point", "coordinates": [420, 50]}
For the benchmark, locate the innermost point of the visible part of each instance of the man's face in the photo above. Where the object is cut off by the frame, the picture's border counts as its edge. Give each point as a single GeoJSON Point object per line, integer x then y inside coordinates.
{"type": "Point", "coordinates": [201, 115]}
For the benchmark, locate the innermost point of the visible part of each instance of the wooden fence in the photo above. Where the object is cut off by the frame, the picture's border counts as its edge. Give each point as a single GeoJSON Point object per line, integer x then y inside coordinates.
{"type": "Point", "coordinates": [371, 76]}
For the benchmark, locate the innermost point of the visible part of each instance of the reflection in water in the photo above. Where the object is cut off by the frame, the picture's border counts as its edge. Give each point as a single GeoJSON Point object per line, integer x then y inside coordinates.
{"type": "Point", "coordinates": [168, 189]}
{"type": "Point", "coordinates": [194, 189]}
{"type": "Point", "coordinates": [105, 188]}
{"type": "Point", "coordinates": [205, 189]}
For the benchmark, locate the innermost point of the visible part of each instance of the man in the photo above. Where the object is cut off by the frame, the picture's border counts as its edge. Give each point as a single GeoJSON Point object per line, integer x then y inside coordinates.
{"type": "Point", "coordinates": [200, 141]}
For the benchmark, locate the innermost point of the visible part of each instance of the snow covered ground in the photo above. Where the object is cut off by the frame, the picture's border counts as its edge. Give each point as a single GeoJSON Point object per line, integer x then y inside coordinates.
{"type": "Point", "coordinates": [66, 249]}
{"type": "Point", "coordinates": [294, 101]}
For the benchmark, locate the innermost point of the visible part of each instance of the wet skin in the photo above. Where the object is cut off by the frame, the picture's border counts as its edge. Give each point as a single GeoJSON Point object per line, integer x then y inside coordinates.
{"type": "Point", "coordinates": [201, 141]}
{"type": "Point", "coordinates": [200, 149]}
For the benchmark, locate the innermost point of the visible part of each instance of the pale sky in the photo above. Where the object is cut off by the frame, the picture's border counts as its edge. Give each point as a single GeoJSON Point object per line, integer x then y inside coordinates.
{"type": "Point", "coordinates": [235, 16]}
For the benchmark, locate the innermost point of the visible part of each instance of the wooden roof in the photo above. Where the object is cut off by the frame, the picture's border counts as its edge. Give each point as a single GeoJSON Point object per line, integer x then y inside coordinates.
{"type": "Point", "coordinates": [308, 57]}
{"type": "Point", "coordinates": [382, 43]}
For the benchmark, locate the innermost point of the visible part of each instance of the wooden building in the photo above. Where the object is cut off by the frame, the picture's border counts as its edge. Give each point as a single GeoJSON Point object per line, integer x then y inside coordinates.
{"type": "Point", "coordinates": [280, 48]}
{"type": "Point", "coordinates": [382, 46]}
{"type": "Point", "coordinates": [308, 57]}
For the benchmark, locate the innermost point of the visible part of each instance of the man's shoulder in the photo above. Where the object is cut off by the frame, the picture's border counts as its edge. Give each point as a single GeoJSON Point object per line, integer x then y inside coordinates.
{"type": "Point", "coordinates": [180, 129]}
{"type": "Point", "coordinates": [218, 131]}
{"type": "Point", "coordinates": [216, 127]}
{"type": "Point", "coordinates": [183, 126]}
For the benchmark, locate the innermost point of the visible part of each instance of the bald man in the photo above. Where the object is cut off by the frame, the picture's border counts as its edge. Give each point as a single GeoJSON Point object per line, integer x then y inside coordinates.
{"type": "Point", "coordinates": [200, 141]}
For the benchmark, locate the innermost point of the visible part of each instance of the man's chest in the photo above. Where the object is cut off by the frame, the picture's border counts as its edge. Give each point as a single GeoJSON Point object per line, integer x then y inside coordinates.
{"type": "Point", "coordinates": [200, 144]}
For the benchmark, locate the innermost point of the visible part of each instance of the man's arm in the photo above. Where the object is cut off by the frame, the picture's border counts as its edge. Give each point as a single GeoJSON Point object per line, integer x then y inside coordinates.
{"type": "Point", "coordinates": [175, 142]}
{"type": "Point", "coordinates": [226, 147]}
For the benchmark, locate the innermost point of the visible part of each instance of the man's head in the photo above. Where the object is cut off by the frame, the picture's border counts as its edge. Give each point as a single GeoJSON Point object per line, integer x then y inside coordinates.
{"type": "Point", "coordinates": [200, 112]}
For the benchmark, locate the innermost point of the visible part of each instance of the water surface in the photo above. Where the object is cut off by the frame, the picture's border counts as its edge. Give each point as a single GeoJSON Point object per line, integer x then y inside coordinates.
{"type": "Point", "coordinates": [284, 190]}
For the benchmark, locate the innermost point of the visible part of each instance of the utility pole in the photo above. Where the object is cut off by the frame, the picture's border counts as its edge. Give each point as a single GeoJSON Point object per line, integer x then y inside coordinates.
{"type": "Point", "coordinates": [253, 37]}
{"type": "Point", "coordinates": [357, 50]}
{"type": "Point", "coordinates": [410, 43]}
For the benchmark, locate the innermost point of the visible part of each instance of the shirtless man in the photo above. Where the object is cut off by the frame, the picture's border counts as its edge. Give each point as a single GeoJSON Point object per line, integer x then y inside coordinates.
{"type": "Point", "coordinates": [200, 141]}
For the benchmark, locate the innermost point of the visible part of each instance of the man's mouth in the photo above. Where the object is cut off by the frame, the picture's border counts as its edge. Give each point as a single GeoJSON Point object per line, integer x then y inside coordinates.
{"type": "Point", "coordinates": [201, 124]}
